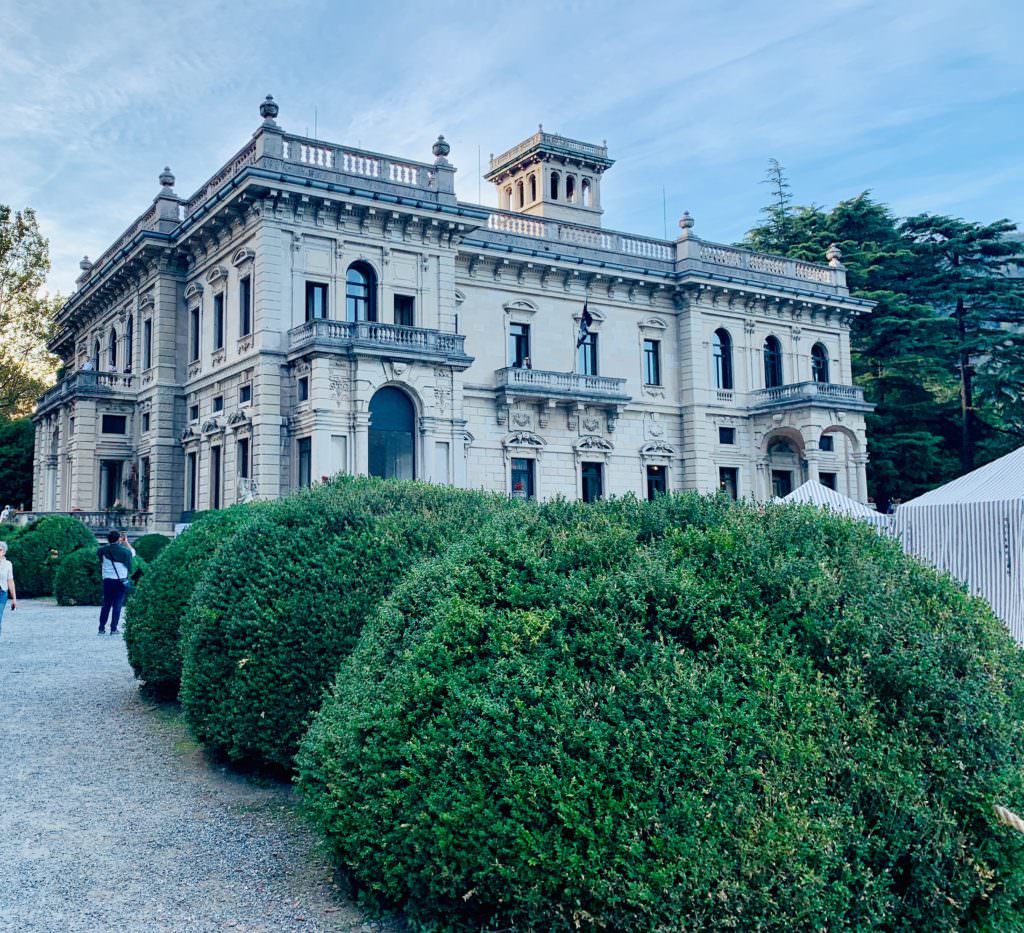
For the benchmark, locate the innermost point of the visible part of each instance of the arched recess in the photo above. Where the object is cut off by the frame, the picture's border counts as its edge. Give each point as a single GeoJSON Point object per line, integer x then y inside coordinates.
{"type": "Point", "coordinates": [112, 349]}
{"type": "Point", "coordinates": [783, 451]}
{"type": "Point", "coordinates": [819, 363]}
{"type": "Point", "coordinates": [721, 358]}
{"type": "Point", "coordinates": [96, 353]}
{"type": "Point", "coordinates": [392, 435]}
{"type": "Point", "coordinates": [773, 375]}
{"type": "Point", "coordinates": [847, 432]}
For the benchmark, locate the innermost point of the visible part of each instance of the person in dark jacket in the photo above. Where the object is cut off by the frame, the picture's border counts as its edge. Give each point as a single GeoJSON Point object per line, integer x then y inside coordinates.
{"type": "Point", "coordinates": [115, 565]}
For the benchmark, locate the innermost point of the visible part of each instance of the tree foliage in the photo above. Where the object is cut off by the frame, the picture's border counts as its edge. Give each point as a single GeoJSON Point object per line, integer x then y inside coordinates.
{"type": "Point", "coordinates": [944, 307]}
{"type": "Point", "coordinates": [17, 440]}
{"type": "Point", "coordinates": [26, 315]}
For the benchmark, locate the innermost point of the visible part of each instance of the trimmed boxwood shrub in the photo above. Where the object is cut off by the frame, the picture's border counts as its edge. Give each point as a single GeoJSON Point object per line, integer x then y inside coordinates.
{"type": "Point", "coordinates": [41, 547]}
{"type": "Point", "coordinates": [283, 604]}
{"type": "Point", "coordinates": [79, 581]}
{"type": "Point", "coordinates": [760, 720]}
{"type": "Point", "coordinates": [155, 607]}
{"type": "Point", "coordinates": [148, 546]}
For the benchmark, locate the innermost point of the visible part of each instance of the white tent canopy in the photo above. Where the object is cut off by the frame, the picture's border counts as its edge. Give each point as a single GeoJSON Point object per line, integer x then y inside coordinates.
{"type": "Point", "coordinates": [814, 493]}
{"type": "Point", "coordinates": [973, 527]}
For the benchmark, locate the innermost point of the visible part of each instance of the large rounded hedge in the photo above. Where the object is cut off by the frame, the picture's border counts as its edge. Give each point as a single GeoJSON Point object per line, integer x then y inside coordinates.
{"type": "Point", "coordinates": [283, 604]}
{"type": "Point", "coordinates": [148, 546]}
{"type": "Point", "coordinates": [156, 605]}
{"type": "Point", "coordinates": [79, 581]}
{"type": "Point", "coordinates": [757, 720]}
{"type": "Point", "coordinates": [39, 549]}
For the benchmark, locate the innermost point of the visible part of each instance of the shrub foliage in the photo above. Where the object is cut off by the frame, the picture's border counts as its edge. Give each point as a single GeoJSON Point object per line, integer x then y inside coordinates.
{"type": "Point", "coordinates": [711, 718]}
{"type": "Point", "coordinates": [283, 604]}
{"type": "Point", "coordinates": [148, 546]}
{"type": "Point", "coordinates": [79, 581]}
{"type": "Point", "coordinates": [157, 603]}
{"type": "Point", "coordinates": [39, 549]}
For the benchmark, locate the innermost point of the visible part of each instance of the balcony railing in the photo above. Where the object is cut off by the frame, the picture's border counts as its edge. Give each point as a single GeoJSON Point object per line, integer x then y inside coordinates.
{"type": "Point", "coordinates": [802, 393]}
{"type": "Point", "coordinates": [381, 339]}
{"type": "Point", "coordinates": [86, 383]}
{"type": "Point", "coordinates": [98, 520]}
{"type": "Point", "coordinates": [542, 382]}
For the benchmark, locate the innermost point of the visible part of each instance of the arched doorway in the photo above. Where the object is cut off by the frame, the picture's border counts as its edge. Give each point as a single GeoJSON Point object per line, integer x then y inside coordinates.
{"type": "Point", "coordinates": [392, 452]}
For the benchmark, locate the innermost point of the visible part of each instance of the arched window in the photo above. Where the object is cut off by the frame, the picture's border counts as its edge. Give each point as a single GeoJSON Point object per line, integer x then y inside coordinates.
{"type": "Point", "coordinates": [533, 187]}
{"type": "Point", "coordinates": [112, 349]}
{"type": "Point", "coordinates": [772, 363]}
{"type": "Point", "coordinates": [721, 353]}
{"type": "Point", "coordinates": [554, 186]}
{"type": "Point", "coordinates": [520, 199]}
{"type": "Point", "coordinates": [570, 188]}
{"type": "Point", "coordinates": [129, 339]}
{"type": "Point", "coordinates": [819, 363]}
{"type": "Point", "coordinates": [360, 293]}
{"type": "Point", "coordinates": [392, 448]}
{"type": "Point", "coordinates": [508, 198]}
{"type": "Point", "coordinates": [585, 188]}
{"type": "Point", "coordinates": [96, 354]}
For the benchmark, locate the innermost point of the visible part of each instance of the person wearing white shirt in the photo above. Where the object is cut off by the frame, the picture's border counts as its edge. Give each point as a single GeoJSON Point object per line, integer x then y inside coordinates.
{"type": "Point", "coordinates": [6, 583]}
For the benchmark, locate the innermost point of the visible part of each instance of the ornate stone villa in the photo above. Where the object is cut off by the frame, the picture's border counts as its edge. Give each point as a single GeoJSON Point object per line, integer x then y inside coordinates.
{"type": "Point", "coordinates": [315, 309]}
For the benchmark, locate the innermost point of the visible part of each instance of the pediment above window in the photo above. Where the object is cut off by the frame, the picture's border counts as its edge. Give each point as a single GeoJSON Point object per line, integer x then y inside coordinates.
{"type": "Point", "coordinates": [520, 307]}
{"type": "Point", "coordinates": [195, 290]}
{"type": "Point", "coordinates": [654, 324]}
{"type": "Point", "coordinates": [524, 439]}
{"type": "Point", "coordinates": [591, 443]}
{"type": "Point", "coordinates": [216, 273]}
{"type": "Point", "coordinates": [657, 450]}
{"type": "Point", "coordinates": [243, 256]}
{"type": "Point", "coordinates": [597, 317]}
{"type": "Point", "coordinates": [460, 296]}
{"type": "Point", "coordinates": [147, 301]}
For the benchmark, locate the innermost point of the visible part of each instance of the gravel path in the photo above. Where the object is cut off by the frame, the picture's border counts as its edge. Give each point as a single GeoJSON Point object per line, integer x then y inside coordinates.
{"type": "Point", "coordinates": [112, 819]}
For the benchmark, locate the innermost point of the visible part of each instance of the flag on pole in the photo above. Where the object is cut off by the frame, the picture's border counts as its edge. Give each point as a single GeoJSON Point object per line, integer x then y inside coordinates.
{"type": "Point", "coordinates": [586, 319]}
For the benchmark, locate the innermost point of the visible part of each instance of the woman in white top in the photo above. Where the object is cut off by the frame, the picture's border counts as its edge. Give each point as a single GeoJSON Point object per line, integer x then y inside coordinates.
{"type": "Point", "coordinates": [6, 582]}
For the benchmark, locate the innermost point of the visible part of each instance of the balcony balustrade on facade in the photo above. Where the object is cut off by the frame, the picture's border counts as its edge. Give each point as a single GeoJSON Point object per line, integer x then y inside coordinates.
{"type": "Point", "coordinates": [810, 393]}
{"type": "Point", "coordinates": [86, 383]}
{"type": "Point", "coordinates": [541, 383]}
{"type": "Point", "coordinates": [395, 341]}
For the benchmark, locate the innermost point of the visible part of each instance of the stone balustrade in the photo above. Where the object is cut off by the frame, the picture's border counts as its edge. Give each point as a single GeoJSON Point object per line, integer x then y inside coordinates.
{"type": "Point", "coordinates": [592, 237]}
{"type": "Point", "coordinates": [715, 254]}
{"type": "Point", "coordinates": [553, 140]}
{"type": "Point", "coordinates": [799, 393]}
{"type": "Point", "coordinates": [98, 521]}
{"type": "Point", "coordinates": [85, 382]}
{"type": "Point", "coordinates": [380, 338]}
{"type": "Point", "coordinates": [544, 382]}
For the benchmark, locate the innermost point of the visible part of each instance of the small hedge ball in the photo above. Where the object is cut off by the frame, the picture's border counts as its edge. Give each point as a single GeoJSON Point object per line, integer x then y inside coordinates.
{"type": "Point", "coordinates": [762, 720]}
{"type": "Point", "coordinates": [41, 547]}
{"type": "Point", "coordinates": [148, 546]}
{"type": "Point", "coordinates": [157, 603]}
{"type": "Point", "coordinates": [281, 606]}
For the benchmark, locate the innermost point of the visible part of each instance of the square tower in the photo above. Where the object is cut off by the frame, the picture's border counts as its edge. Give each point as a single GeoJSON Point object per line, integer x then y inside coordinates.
{"type": "Point", "coordinates": [551, 176]}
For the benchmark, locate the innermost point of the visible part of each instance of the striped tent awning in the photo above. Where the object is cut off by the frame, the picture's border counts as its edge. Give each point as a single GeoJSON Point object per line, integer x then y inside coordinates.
{"type": "Point", "coordinates": [813, 493]}
{"type": "Point", "coordinates": [973, 528]}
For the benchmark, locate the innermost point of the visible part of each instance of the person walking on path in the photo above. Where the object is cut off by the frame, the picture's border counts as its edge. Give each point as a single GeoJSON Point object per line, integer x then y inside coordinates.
{"type": "Point", "coordinates": [6, 583]}
{"type": "Point", "coordinates": [115, 565]}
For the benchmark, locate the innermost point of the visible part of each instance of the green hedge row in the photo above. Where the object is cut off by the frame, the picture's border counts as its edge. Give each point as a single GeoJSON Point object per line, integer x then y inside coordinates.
{"type": "Point", "coordinates": [39, 548]}
{"type": "Point", "coordinates": [684, 714]}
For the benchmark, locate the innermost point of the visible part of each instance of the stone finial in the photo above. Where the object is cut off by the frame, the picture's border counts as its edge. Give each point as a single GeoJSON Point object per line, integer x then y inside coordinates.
{"type": "Point", "coordinates": [834, 256]}
{"type": "Point", "coordinates": [85, 265]}
{"type": "Point", "coordinates": [269, 109]}
{"type": "Point", "coordinates": [167, 177]}
{"type": "Point", "coordinates": [441, 149]}
{"type": "Point", "coordinates": [686, 224]}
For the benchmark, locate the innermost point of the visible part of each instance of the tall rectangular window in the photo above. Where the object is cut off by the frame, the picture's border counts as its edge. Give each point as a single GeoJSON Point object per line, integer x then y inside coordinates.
{"type": "Point", "coordinates": [303, 389]}
{"type": "Point", "coordinates": [316, 300]}
{"type": "Point", "coordinates": [405, 310]}
{"type": "Point", "coordinates": [519, 345]}
{"type": "Point", "coordinates": [305, 461]}
{"type": "Point", "coordinates": [218, 321]}
{"type": "Point", "coordinates": [782, 483]}
{"type": "Point", "coordinates": [729, 482]}
{"type": "Point", "coordinates": [215, 476]}
{"type": "Point", "coordinates": [193, 318]}
{"type": "Point", "coordinates": [827, 479]}
{"type": "Point", "coordinates": [245, 306]}
{"type": "Point", "coordinates": [242, 457]}
{"type": "Point", "coordinates": [592, 481]}
{"type": "Point", "coordinates": [586, 356]}
{"type": "Point", "coordinates": [652, 362]}
{"type": "Point", "coordinates": [522, 478]}
{"type": "Point", "coordinates": [245, 394]}
{"type": "Point", "coordinates": [147, 344]}
{"type": "Point", "coordinates": [144, 484]}
{"type": "Point", "coordinates": [191, 481]}
{"type": "Point", "coordinates": [657, 480]}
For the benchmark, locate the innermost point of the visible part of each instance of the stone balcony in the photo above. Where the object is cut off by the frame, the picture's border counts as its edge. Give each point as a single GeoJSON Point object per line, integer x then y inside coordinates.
{"type": "Point", "coordinates": [550, 389]}
{"type": "Point", "coordinates": [132, 521]}
{"type": "Point", "coordinates": [86, 384]}
{"type": "Point", "coordinates": [370, 338]}
{"type": "Point", "coordinates": [804, 394]}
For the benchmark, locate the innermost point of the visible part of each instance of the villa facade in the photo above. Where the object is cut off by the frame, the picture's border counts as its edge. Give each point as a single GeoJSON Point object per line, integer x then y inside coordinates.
{"type": "Point", "coordinates": [315, 309]}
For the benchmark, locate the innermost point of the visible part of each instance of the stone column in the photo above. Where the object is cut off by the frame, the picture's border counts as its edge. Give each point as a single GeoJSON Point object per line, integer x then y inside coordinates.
{"type": "Point", "coordinates": [860, 462]}
{"type": "Point", "coordinates": [813, 475]}
{"type": "Point", "coordinates": [361, 432]}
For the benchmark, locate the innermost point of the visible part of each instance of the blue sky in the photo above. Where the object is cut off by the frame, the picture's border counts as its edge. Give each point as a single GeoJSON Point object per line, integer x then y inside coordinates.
{"type": "Point", "coordinates": [922, 102]}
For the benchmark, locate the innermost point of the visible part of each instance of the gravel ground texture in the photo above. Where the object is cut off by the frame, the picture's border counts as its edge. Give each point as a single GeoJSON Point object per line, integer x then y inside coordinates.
{"type": "Point", "coordinates": [111, 818]}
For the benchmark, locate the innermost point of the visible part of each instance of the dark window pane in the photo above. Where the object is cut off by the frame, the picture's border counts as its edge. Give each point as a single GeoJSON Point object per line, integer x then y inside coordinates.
{"type": "Point", "coordinates": [782, 483]}
{"type": "Point", "coordinates": [657, 480]}
{"type": "Point", "coordinates": [819, 363]}
{"type": "Point", "coordinates": [728, 481]}
{"type": "Point", "coordinates": [215, 477]}
{"type": "Point", "coordinates": [826, 442]}
{"type": "Point", "coordinates": [115, 424]}
{"type": "Point", "coordinates": [244, 306]}
{"type": "Point", "coordinates": [591, 477]}
{"type": "Point", "coordinates": [392, 440]}
{"type": "Point", "coordinates": [305, 461]}
{"type": "Point", "coordinates": [726, 435]}
{"type": "Point", "coordinates": [827, 479]}
{"type": "Point", "coordinates": [405, 310]}
{"type": "Point", "coordinates": [772, 363]}
{"type": "Point", "coordinates": [522, 478]}
{"type": "Point", "coordinates": [316, 300]}
{"type": "Point", "coordinates": [218, 321]}
{"type": "Point", "coordinates": [360, 293]}
{"type": "Point", "coordinates": [586, 356]}
{"type": "Point", "coordinates": [652, 362]}
{"type": "Point", "coordinates": [721, 349]}
{"type": "Point", "coordinates": [519, 345]}
{"type": "Point", "coordinates": [194, 333]}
